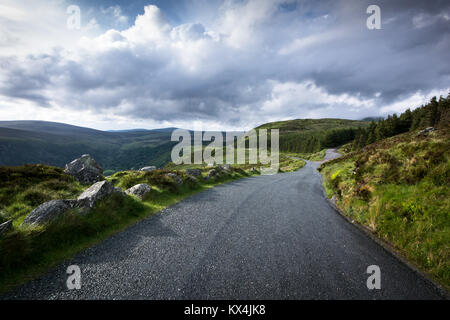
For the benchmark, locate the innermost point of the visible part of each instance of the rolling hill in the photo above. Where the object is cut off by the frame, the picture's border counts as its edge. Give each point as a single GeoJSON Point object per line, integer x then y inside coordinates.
{"type": "Point", "coordinates": [312, 135]}
{"type": "Point", "coordinates": [57, 143]}
{"type": "Point", "coordinates": [32, 142]}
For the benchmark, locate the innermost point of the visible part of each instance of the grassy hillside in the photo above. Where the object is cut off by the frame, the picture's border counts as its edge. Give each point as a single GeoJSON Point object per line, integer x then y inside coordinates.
{"type": "Point", "coordinates": [399, 188]}
{"type": "Point", "coordinates": [312, 135]}
{"type": "Point", "coordinates": [25, 252]}
{"type": "Point", "coordinates": [24, 188]}
{"type": "Point", "coordinates": [36, 142]}
{"type": "Point", "coordinates": [40, 142]}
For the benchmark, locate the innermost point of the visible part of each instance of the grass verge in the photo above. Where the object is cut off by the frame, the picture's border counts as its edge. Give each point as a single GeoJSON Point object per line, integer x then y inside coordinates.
{"type": "Point", "coordinates": [398, 188]}
{"type": "Point", "coordinates": [26, 253]}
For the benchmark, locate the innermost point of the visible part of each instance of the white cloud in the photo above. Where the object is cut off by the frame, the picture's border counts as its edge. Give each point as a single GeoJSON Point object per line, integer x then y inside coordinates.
{"type": "Point", "coordinates": [116, 13]}
{"type": "Point", "coordinates": [413, 101]}
{"type": "Point", "coordinates": [252, 63]}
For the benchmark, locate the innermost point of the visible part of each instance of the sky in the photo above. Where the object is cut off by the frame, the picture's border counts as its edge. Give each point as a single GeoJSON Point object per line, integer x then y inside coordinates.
{"type": "Point", "coordinates": [218, 65]}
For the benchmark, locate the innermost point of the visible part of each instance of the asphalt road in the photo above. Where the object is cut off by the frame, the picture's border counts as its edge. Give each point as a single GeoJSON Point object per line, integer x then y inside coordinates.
{"type": "Point", "coordinates": [266, 237]}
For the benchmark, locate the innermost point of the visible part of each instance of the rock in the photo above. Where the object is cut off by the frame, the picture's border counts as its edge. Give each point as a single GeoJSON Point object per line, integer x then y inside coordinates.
{"type": "Point", "coordinates": [213, 174]}
{"type": "Point", "coordinates": [175, 178]}
{"type": "Point", "coordinates": [425, 131]}
{"type": "Point", "coordinates": [85, 169]}
{"type": "Point", "coordinates": [149, 168]}
{"type": "Point", "coordinates": [227, 167]}
{"type": "Point", "coordinates": [94, 193]}
{"type": "Point", "coordinates": [48, 212]}
{"type": "Point", "coordinates": [193, 172]}
{"type": "Point", "coordinates": [192, 178]}
{"type": "Point", "coordinates": [5, 227]}
{"type": "Point", "coordinates": [140, 190]}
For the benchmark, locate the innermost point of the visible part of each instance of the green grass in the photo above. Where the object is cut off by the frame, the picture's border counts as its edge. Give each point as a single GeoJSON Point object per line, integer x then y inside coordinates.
{"type": "Point", "coordinates": [313, 125]}
{"type": "Point", "coordinates": [398, 187]}
{"type": "Point", "coordinates": [27, 252]}
{"type": "Point", "coordinates": [313, 135]}
{"type": "Point", "coordinates": [24, 188]}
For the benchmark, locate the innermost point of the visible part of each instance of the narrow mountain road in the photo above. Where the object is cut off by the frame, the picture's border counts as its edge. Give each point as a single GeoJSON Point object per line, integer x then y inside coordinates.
{"type": "Point", "coordinates": [266, 237]}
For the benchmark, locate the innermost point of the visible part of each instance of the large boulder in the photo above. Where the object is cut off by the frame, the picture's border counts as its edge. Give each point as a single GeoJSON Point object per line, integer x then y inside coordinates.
{"type": "Point", "coordinates": [85, 169]}
{"type": "Point", "coordinates": [140, 190]}
{"type": "Point", "coordinates": [149, 168]}
{"type": "Point", "coordinates": [94, 193]}
{"type": "Point", "coordinates": [48, 212]}
{"type": "Point", "coordinates": [175, 178]}
{"type": "Point", "coordinates": [193, 172]}
{"type": "Point", "coordinates": [5, 227]}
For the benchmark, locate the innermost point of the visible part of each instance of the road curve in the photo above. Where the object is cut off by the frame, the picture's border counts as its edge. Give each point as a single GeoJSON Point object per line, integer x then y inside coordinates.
{"type": "Point", "coordinates": [266, 237]}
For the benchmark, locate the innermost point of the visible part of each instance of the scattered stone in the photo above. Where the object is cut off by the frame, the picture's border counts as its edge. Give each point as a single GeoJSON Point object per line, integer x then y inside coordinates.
{"type": "Point", "coordinates": [94, 193]}
{"type": "Point", "coordinates": [48, 212]}
{"type": "Point", "coordinates": [140, 190]}
{"type": "Point", "coordinates": [212, 174]}
{"type": "Point", "coordinates": [425, 131]}
{"type": "Point", "coordinates": [5, 227]}
{"type": "Point", "coordinates": [175, 178]}
{"type": "Point", "coordinates": [149, 168]}
{"type": "Point", "coordinates": [193, 172]}
{"type": "Point", "coordinates": [226, 169]}
{"type": "Point", "coordinates": [192, 178]}
{"type": "Point", "coordinates": [85, 169]}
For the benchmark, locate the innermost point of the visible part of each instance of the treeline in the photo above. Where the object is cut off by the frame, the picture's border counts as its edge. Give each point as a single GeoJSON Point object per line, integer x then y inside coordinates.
{"type": "Point", "coordinates": [316, 140]}
{"type": "Point", "coordinates": [434, 114]}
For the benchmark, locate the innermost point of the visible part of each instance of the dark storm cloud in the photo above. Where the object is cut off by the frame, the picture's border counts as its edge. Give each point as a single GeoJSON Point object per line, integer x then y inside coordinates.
{"type": "Point", "coordinates": [255, 61]}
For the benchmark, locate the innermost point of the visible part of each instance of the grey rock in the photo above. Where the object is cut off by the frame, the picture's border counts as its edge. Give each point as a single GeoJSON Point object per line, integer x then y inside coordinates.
{"type": "Point", "coordinates": [175, 178]}
{"type": "Point", "coordinates": [85, 169]}
{"type": "Point", "coordinates": [94, 193]}
{"type": "Point", "coordinates": [5, 227]}
{"type": "Point", "coordinates": [425, 131]}
{"type": "Point", "coordinates": [194, 172]}
{"type": "Point", "coordinates": [192, 178]}
{"type": "Point", "coordinates": [213, 173]}
{"type": "Point", "coordinates": [149, 168]}
{"type": "Point", "coordinates": [48, 212]}
{"type": "Point", "coordinates": [226, 169]}
{"type": "Point", "coordinates": [140, 190]}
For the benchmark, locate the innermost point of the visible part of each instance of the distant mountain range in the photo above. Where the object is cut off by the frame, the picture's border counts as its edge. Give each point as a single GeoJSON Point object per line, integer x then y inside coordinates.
{"type": "Point", "coordinates": [56, 144]}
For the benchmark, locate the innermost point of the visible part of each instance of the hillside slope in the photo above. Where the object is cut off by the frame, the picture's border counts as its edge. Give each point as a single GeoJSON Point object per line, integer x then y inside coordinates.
{"type": "Point", "coordinates": [56, 144]}
{"type": "Point", "coordinates": [398, 188]}
{"type": "Point", "coordinates": [312, 135]}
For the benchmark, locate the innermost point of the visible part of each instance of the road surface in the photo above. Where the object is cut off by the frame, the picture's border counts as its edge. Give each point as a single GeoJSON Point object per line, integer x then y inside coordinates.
{"type": "Point", "coordinates": [265, 237]}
